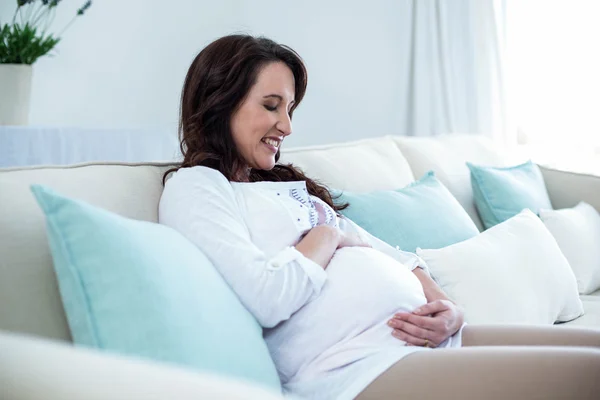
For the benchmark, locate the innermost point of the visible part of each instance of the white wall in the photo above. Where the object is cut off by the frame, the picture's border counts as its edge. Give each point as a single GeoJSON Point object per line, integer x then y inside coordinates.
{"type": "Point", "coordinates": [123, 63]}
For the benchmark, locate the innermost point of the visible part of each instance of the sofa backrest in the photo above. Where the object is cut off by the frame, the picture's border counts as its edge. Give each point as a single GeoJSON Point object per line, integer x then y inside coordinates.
{"type": "Point", "coordinates": [29, 297]}
{"type": "Point", "coordinates": [359, 166]}
{"type": "Point", "coordinates": [447, 155]}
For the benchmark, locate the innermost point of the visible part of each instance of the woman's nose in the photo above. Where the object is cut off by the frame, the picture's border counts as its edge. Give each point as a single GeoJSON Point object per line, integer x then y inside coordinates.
{"type": "Point", "coordinates": [284, 125]}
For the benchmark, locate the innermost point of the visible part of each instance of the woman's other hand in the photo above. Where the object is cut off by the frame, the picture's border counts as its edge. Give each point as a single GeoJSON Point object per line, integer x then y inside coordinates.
{"type": "Point", "coordinates": [429, 325]}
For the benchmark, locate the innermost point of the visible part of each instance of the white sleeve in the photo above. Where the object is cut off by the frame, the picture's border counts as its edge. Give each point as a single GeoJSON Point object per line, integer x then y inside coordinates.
{"type": "Point", "coordinates": [410, 260]}
{"type": "Point", "coordinates": [200, 203]}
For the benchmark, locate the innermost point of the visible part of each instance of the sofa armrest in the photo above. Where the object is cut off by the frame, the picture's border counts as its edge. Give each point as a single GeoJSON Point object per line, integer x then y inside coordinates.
{"type": "Point", "coordinates": [566, 189]}
{"type": "Point", "coordinates": [32, 369]}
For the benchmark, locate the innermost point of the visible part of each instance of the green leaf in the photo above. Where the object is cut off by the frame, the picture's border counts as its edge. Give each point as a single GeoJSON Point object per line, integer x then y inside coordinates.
{"type": "Point", "coordinates": [23, 44]}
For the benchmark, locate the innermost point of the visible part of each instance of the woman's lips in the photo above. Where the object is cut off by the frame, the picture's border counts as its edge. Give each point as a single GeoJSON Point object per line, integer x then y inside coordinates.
{"type": "Point", "coordinates": [270, 146]}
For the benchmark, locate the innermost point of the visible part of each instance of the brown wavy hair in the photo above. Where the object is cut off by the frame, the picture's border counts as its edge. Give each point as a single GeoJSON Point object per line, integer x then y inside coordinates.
{"type": "Point", "coordinates": [216, 84]}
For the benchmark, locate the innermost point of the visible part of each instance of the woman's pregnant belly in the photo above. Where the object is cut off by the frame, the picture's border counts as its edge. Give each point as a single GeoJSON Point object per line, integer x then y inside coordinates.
{"type": "Point", "coordinates": [364, 289]}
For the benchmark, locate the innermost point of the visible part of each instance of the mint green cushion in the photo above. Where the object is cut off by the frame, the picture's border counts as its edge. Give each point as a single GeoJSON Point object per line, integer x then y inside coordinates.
{"type": "Point", "coordinates": [142, 289]}
{"type": "Point", "coordinates": [502, 192]}
{"type": "Point", "coordinates": [423, 214]}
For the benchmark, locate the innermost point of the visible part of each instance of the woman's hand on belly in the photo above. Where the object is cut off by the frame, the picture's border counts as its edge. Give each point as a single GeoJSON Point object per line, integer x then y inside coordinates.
{"type": "Point", "coordinates": [321, 242]}
{"type": "Point", "coordinates": [429, 325]}
{"type": "Point", "coordinates": [352, 239]}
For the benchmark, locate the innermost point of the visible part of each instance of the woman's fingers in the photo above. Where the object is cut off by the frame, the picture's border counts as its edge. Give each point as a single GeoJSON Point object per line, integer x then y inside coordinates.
{"type": "Point", "coordinates": [426, 326]}
{"type": "Point", "coordinates": [430, 337]}
{"type": "Point", "coordinates": [423, 322]}
{"type": "Point", "coordinates": [410, 328]}
{"type": "Point", "coordinates": [411, 340]}
{"type": "Point", "coordinates": [433, 307]}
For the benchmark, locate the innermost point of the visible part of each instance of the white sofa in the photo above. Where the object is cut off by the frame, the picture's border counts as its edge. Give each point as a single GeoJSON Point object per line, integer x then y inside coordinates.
{"type": "Point", "coordinates": [30, 302]}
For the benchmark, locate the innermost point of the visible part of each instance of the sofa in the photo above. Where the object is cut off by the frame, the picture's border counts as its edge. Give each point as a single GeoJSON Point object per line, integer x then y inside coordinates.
{"type": "Point", "coordinates": [37, 359]}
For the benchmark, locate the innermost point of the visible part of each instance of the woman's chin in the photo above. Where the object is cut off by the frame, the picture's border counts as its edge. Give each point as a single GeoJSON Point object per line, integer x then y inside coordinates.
{"type": "Point", "coordinates": [267, 164]}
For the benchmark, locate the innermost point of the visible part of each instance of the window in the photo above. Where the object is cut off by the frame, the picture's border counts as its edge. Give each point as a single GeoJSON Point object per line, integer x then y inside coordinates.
{"type": "Point", "coordinates": [553, 79]}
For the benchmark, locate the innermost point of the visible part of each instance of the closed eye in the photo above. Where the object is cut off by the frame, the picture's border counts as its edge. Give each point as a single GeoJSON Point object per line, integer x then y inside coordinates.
{"type": "Point", "coordinates": [275, 109]}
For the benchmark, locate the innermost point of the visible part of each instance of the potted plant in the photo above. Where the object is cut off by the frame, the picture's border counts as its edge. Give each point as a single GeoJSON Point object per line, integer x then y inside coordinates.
{"type": "Point", "coordinates": [23, 40]}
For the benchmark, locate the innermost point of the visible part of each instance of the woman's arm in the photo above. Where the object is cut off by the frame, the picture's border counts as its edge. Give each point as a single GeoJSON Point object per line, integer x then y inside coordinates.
{"type": "Point", "coordinates": [434, 322]}
{"type": "Point", "coordinates": [200, 203]}
{"type": "Point", "coordinates": [322, 241]}
{"type": "Point", "coordinates": [431, 324]}
{"type": "Point", "coordinates": [432, 290]}
{"type": "Point", "coordinates": [319, 244]}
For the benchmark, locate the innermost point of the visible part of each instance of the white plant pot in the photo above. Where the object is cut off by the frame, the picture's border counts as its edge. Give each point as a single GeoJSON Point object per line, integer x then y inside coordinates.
{"type": "Point", "coordinates": [15, 93]}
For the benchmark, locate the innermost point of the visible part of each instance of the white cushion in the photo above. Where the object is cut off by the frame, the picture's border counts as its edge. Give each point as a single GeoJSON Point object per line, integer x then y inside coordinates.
{"type": "Point", "coordinates": [577, 232]}
{"type": "Point", "coordinates": [360, 166]}
{"type": "Point", "coordinates": [447, 155]}
{"type": "Point", "coordinates": [513, 273]}
{"type": "Point", "coordinates": [27, 279]}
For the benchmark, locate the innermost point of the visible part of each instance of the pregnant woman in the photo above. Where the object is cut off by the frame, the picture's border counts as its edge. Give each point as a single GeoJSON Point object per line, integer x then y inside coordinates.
{"type": "Point", "coordinates": [344, 314]}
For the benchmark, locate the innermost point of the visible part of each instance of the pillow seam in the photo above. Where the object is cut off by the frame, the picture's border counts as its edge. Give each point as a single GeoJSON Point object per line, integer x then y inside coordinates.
{"type": "Point", "coordinates": [484, 195]}
{"type": "Point", "coordinates": [79, 280]}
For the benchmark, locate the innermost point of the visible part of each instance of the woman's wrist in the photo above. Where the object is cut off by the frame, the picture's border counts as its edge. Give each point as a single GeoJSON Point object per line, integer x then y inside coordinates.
{"type": "Point", "coordinates": [430, 288]}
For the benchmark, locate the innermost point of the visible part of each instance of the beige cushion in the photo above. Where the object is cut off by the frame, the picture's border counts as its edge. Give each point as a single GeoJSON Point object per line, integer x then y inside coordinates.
{"type": "Point", "coordinates": [360, 166]}
{"type": "Point", "coordinates": [447, 155]}
{"type": "Point", "coordinates": [28, 290]}
{"type": "Point", "coordinates": [34, 369]}
{"type": "Point", "coordinates": [567, 189]}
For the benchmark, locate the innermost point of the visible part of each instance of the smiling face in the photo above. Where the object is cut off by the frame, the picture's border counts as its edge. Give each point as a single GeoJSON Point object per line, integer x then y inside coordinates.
{"type": "Point", "coordinates": [263, 119]}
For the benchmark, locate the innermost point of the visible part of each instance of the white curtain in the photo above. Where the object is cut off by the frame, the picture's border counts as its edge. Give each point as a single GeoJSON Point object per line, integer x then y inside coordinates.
{"type": "Point", "coordinates": [456, 76]}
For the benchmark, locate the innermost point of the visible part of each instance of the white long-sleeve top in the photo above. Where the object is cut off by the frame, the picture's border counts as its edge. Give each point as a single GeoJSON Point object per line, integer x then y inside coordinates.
{"type": "Point", "coordinates": [326, 329]}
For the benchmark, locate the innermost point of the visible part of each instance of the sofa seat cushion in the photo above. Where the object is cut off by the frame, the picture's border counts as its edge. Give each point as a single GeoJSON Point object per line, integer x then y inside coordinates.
{"type": "Point", "coordinates": [40, 369]}
{"type": "Point", "coordinates": [27, 279]}
{"type": "Point", "coordinates": [360, 166]}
